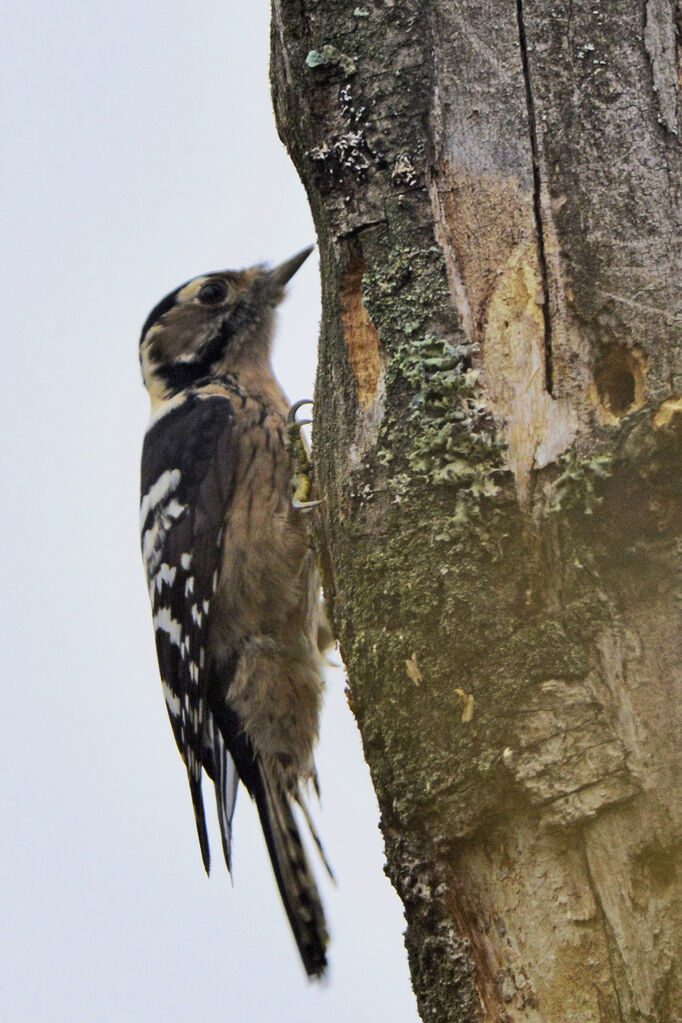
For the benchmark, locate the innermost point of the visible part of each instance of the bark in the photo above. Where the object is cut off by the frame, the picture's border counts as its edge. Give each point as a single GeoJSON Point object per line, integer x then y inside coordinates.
{"type": "Point", "coordinates": [496, 190]}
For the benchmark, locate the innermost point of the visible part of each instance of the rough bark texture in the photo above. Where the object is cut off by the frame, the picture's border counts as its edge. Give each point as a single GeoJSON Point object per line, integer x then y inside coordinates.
{"type": "Point", "coordinates": [496, 189]}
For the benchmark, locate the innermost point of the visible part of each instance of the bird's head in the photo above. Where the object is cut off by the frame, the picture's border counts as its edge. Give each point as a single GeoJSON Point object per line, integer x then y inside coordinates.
{"type": "Point", "coordinates": [211, 325]}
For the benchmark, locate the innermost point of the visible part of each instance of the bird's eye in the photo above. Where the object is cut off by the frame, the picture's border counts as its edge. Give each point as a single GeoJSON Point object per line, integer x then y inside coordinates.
{"type": "Point", "coordinates": [212, 292]}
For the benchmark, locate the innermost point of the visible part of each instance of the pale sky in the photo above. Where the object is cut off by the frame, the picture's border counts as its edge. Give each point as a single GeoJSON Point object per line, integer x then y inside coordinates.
{"type": "Point", "coordinates": [141, 150]}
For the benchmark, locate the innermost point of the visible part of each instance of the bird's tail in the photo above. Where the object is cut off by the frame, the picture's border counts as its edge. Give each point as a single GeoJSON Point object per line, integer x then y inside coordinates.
{"type": "Point", "coordinates": [194, 778]}
{"type": "Point", "coordinates": [295, 879]}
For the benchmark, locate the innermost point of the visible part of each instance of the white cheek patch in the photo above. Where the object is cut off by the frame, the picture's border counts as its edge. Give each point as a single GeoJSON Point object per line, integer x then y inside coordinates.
{"type": "Point", "coordinates": [152, 381]}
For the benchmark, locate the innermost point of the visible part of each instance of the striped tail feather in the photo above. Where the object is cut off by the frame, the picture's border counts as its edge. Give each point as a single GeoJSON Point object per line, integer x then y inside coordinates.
{"type": "Point", "coordinates": [226, 782]}
{"type": "Point", "coordinates": [294, 877]}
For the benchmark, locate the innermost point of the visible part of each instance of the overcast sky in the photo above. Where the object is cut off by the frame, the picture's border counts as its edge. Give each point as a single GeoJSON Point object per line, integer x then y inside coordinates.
{"type": "Point", "coordinates": [139, 150]}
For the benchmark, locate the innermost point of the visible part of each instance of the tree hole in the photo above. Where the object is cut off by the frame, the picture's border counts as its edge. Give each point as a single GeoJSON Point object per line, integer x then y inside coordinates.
{"type": "Point", "coordinates": [619, 381]}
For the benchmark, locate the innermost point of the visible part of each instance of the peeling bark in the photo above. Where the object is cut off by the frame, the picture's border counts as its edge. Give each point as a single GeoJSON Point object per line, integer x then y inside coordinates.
{"type": "Point", "coordinates": [498, 428]}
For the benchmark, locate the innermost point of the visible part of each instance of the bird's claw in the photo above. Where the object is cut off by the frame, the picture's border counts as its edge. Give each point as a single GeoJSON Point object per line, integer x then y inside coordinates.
{"type": "Point", "coordinates": [291, 418]}
{"type": "Point", "coordinates": [305, 506]}
{"type": "Point", "coordinates": [300, 482]}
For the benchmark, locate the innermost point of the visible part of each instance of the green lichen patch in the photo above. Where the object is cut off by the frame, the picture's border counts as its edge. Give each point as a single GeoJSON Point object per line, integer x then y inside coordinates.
{"type": "Point", "coordinates": [403, 293]}
{"type": "Point", "coordinates": [329, 55]}
{"type": "Point", "coordinates": [453, 442]}
{"type": "Point", "coordinates": [579, 483]}
{"type": "Point", "coordinates": [438, 433]}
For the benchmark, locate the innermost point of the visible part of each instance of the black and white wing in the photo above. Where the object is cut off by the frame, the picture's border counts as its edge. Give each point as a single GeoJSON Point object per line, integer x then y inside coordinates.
{"type": "Point", "coordinates": [188, 472]}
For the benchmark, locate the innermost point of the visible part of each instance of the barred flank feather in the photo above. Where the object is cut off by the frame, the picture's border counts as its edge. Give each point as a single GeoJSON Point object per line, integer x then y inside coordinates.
{"type": "Point", "coordinates": [294, 877]}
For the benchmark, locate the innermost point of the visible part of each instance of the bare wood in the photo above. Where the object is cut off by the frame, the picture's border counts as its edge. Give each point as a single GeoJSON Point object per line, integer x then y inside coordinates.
{"type": "Point", "coordinates": [496, 189]}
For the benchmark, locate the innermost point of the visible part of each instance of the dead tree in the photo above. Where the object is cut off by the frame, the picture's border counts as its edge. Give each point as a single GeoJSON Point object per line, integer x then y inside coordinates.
{"type": "Point", "coordinates": [496, 190]}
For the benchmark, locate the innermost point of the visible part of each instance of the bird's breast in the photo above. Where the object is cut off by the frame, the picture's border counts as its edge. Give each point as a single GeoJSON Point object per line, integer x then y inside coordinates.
{"type": "Point", "coordinates": [267, 565]}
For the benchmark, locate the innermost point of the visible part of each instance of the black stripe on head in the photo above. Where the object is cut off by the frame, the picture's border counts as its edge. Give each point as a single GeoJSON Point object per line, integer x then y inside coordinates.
{"type": "Point", "coordinates": [179, 375]}
{"type": "Point", "coordinates": [162, 307]}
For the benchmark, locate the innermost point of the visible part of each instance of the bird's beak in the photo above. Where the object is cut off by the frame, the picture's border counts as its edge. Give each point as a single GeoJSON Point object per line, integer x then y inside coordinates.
{"type": "Point", "coordinates": [282, 274]}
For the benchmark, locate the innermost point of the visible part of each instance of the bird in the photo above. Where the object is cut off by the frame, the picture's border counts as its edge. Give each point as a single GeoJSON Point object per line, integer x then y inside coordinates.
{"type": "Point", "coordinates": [231, 569]}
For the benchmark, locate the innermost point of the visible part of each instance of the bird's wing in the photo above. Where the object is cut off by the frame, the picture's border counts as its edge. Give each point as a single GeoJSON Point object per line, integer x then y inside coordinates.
{"type": "Point", "coordinates": [188, 472]}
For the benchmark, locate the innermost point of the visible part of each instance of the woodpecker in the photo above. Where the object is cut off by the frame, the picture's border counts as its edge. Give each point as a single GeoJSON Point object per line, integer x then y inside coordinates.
{"type": "Point", "coordinates": [231, 571]}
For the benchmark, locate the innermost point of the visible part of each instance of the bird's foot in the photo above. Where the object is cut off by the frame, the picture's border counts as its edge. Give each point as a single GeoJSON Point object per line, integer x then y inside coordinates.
{"type": "Point", "coordinates": [301, 483]}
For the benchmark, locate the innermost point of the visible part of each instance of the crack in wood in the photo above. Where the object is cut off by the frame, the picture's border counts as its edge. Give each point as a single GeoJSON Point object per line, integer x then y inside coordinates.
{"type": "Point", "coordinates": [537, 196]}
{"type": "Point", "coordinates": [617, 772]}
{"type": "Point", "coordinates": [614, 953]}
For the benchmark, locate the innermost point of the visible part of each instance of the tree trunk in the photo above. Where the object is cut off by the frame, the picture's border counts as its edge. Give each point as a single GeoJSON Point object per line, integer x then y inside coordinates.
{"type": "Point", "coordinates": [496, 189]}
